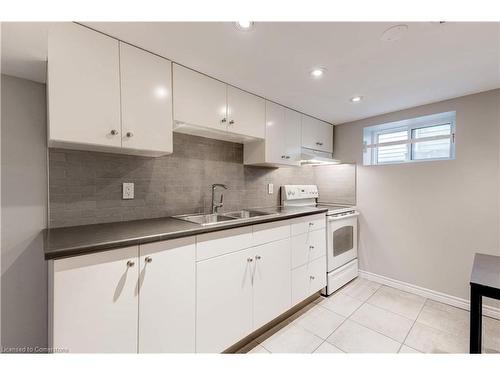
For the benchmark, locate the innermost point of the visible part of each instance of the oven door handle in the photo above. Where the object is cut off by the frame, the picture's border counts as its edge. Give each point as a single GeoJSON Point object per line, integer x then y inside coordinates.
{"type": "Point", "coordinates": [340, 217]}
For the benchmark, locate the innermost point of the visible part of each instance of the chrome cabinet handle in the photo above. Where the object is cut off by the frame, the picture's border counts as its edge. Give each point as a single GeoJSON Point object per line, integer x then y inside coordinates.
{"type": "Point", "coordinates": [114, 132]}
{"type": "Point", "coordinates": [258, 257]}
{"type": "Point", "coordinates": [287, 157]}
{"type": "Point", "coordinates": [231, 122]}
{"type": "Point", "coordinates": [311, 224]}
{"type": "Point", "coordinates": [319, 143]}
{"type": "Point", "coordinates": [129, 134]}
{"type": "Point", "coordinates": [283, 156]}
{"type": "Point", "coordinates": [249, 260]}
{"type": "Point", "coordinates": [223, 120]}
{"type": "Point", "coordinates": [312, 277]}
{"type": "Point", "coordinates": [148, 259]}
{"type": "Point", "coordinates": [130, 263]}
{"type": "Point", "coordinates": [311, 247]}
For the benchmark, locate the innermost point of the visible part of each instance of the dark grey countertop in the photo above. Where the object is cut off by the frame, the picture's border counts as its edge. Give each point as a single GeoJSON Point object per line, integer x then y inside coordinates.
{"type": "Point", "coordinates": [486, 270]}
{"type": "Point", "coordinates": [86, 239]}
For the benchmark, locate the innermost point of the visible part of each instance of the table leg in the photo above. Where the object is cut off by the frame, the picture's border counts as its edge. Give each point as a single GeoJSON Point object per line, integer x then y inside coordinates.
{"type": "Point", "coordinates": [476, 315]}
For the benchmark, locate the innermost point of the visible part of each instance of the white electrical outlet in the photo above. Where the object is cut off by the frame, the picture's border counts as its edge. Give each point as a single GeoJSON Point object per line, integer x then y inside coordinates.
{"type": "Point", "coordinates": [128, 190]}
{"type": "Point", "coordinates": [270, 188]}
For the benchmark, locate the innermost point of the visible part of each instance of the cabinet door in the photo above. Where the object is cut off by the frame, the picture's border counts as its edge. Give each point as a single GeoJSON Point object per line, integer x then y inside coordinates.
{"type": "Point", "coordinates": [198, 99]}
{"type": "Point", "coordinates": [83, 87]}
{"type": "Point", "coordinates": [167, 296]}
{"type": "Point", "coordinates": [292, 134]}
{"type": "Point", "coordinates": [308, 279]}
{"type": "Point", "coordinates": [246, 113]}
{"type": "Point", "coordinates": [223, 301]}
{"type": "Point", "coordinates": [275, 133]}
{"type": "Point", "coordinates": [272, 281]}
{"type": "Point", "coordinates": [95, 302]}
{"type": "Point", "coordinates": [316, 134]}
{"type": "Point", "coordinates": [146, 95]}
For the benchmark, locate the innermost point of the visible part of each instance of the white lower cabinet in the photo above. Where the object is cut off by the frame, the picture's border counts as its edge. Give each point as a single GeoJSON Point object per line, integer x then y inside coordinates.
{"type": "Point", "coordinates": [167, 296]}
{"type": "Point", "coordinates": [223, 300]}
{"type": "Point", "coordinates": [271, 281]}
{"type": "Point", "coordinates": [94, 302]}
{"type": "Point", "coordinates": [308, 246]}
{"type": "Point", "coordinates": [202, 293]}
{"type": "Point", "coordinates": [240, 292]}
{"type": "Point", "coordinates": [308, 279]}
{"type": "Point", "coordinates": [129, 300]}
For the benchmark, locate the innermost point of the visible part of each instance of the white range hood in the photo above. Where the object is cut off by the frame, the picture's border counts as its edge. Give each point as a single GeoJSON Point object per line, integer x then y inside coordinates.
{"type": "Point", "coordinates": [314, 157]}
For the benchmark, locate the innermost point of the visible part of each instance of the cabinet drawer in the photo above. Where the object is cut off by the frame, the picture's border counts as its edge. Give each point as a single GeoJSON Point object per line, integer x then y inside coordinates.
{"type": "Point", "coordinates": [268, 232]}
{"type": "Point", "coordinates": [308, 246]}
{"type": "Point", "coordinates": [308, 279]}
{"type": "Point", "coordinates": [213, 244]}
{"type": "Point", "coordinates": [305, 224]}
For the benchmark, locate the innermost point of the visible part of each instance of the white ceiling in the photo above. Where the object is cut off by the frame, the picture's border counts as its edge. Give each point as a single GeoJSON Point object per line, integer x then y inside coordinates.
{"type": "Point", "coordinates": [431, 62]}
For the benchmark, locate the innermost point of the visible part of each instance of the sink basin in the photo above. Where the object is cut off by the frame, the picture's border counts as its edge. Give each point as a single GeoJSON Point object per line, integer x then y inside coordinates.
{"type": "Point", "coordinates": [209, 219]}
{"type": "Point", "coordinates": [205, 219]}
{"type": "Point", "coordinates": [247, 214]}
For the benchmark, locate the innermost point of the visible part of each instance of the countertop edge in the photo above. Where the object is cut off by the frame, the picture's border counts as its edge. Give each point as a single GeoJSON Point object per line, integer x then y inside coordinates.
{"type": "Point", "coordinates": [68, 252]}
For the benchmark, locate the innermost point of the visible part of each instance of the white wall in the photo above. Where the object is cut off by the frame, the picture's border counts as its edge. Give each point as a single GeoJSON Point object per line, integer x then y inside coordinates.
{"type": "Point", "coordinates": [421, 223]}
{"type": "Point", "coordinates": [23, 214]}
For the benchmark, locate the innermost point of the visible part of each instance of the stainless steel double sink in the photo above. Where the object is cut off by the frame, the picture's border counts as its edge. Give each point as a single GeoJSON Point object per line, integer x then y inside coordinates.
{"type": "Point", "coordinates": [210, 219]}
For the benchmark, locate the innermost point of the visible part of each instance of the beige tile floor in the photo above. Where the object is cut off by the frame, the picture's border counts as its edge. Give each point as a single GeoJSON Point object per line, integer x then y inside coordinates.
{"type": "Point", "coordinates": [366, 317]}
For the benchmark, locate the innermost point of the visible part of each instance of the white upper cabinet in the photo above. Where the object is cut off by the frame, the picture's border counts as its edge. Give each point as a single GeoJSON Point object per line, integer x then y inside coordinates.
{"type": "Point", "coordinates": [104, 95]}
{"type": "Point", "coordinates": [275, 149]}
{"type": "Point", "coordinates": [246, 113]}
{"type": "Point", "coordinates": [198, 100]}
{"type": "Point", "coordinates": [317, 134]}
{"type": "Point", "coordinates": [207, 107]}
{"type": "Point", "coordinates": [293, 121]}
{"type": "Point", "coordinates": [83, 87]}
{"type": "Point", "coordinates": [281, 146]}
{"type": "Point", "coordinates": [146, 96]}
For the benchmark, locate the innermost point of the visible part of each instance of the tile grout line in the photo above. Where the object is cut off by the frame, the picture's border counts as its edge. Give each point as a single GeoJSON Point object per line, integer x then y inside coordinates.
{"type": "Point", "coordinates": [387, 310]}
{"type": "Point", "coordinates": [406, 337]}
{"type": "Point", "coordinates": [346, 319]}
{"type": "Point", "coordinates": [312, 333]}
{"type": "Point", "coordinates": [383, 308]}
{"type": "Point", "coordinates": [380, 333]}
{"type": "Point", "coordinates": [371, 329]}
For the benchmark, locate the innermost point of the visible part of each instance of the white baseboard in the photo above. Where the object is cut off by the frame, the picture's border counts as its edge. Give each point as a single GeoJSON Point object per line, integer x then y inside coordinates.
{"type": "Point", "coordinates": [491, 311]}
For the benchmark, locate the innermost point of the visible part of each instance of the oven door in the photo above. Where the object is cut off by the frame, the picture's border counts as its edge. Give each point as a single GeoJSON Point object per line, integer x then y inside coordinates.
{"type": "Point", "coordinates": [342, 240]}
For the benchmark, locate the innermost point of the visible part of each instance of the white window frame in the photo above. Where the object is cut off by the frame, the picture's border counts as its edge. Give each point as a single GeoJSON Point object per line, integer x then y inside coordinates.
{"type": "Point", "coordinates": [371, 133]}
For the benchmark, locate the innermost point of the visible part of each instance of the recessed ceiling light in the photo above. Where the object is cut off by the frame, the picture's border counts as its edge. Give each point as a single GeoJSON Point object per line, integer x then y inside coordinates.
{"type": "Point", "coordinates": [394, 33]}
{"type": "Point", "coordinates": [318, 72]}
{"type": "Point", "coordinates": [244, 25]}
{"type": "Point", "coordinates": [356, 99]}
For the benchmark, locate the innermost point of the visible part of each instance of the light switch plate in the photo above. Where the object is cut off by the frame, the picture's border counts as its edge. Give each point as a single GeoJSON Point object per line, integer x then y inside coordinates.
{"type": "Point", "coordinates": [128, 190]}
{"type": "Point", "coordinates": [270, 188]}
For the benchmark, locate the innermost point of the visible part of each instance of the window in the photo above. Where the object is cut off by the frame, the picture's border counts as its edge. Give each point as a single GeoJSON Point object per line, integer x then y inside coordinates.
{"type": "Point", "coordinates": [418, 139]}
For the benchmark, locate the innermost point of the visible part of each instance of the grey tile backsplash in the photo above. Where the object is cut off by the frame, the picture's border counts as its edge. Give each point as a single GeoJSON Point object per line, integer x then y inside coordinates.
{"type": "Point", "coordinates": [86, 187]}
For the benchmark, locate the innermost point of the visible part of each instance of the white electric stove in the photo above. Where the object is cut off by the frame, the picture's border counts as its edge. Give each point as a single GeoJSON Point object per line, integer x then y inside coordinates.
{"type": "Point", "coordinates": [342, 233]}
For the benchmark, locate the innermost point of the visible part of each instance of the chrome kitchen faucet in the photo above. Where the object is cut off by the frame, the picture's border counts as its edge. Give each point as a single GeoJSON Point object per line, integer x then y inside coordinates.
{"type": "Point", "coordinates": [216, 206]}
